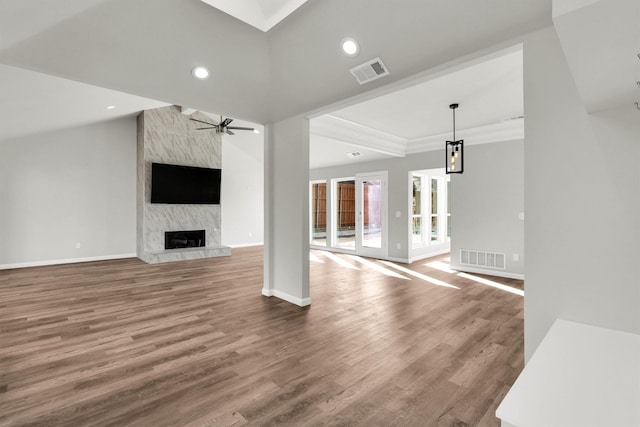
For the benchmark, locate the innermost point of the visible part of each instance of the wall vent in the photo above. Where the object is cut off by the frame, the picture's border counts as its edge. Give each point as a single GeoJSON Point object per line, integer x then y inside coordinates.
{"type": "Point", "coordinates": [483, 259]}
{"type": "Point", "coordinates": [369, 71]}
{"type": "Point", "coordinates": [354, 154]}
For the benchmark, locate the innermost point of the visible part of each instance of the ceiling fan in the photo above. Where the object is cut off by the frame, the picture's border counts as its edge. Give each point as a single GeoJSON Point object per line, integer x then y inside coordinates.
{"type": "Point", "coordinates": [222, 127]}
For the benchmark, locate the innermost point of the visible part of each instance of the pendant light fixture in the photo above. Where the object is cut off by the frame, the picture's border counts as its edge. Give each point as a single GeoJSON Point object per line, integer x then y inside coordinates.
{"type": "Point", "coordinates": [454, 149]}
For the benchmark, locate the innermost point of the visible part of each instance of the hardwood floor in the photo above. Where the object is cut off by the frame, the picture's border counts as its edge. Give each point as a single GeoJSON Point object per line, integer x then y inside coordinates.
{"type": "Point", "coordinates": [193, 343]}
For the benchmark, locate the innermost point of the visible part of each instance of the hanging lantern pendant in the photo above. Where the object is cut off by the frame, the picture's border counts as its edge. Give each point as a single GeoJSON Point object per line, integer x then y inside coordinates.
{"type": "Point", "coordinates": [454, 149]}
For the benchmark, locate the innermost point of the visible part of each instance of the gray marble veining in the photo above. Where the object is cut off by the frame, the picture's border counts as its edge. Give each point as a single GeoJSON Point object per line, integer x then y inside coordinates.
{"type": "Point", "coordinates": [167, 136]}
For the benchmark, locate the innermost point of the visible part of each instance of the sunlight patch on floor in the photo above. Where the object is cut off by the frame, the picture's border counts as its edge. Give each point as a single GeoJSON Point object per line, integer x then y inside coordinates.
{"type": "Point", "coordinates": [377, 267]}
{"type": "Point", "coordinates": [314, 258]}
{"type": "Point", "coordinates": [338, 260]}
{"type": "Point", "coordinates": [492, 284]}
{"type": "Point", "coordinates": [442, 266]}
{"type": "Point", "coordinates": [419, 275]}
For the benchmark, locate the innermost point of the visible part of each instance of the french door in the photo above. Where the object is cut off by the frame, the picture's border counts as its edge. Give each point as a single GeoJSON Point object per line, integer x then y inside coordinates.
{"type": "Point", "coordinates": [371, 214]}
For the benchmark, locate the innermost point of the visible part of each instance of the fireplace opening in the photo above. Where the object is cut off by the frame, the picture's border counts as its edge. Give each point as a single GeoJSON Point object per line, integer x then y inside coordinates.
{"type": "Point", "coordinates": [184, 239]}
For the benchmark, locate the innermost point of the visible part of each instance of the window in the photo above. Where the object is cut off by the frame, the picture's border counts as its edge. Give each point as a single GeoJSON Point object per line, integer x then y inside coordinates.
{"type": "Point", "coordinates": [448, 209]}
{"type": "Point", "coordinates": [430, 214]}
{"type": "Point", "coordinates": [434, 210]}
{"type": "Point", "coordinates": [416, 231]}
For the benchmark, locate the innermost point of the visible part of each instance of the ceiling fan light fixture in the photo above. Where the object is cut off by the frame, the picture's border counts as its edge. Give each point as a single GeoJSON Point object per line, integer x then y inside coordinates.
{"type": "Point", "coordinates": [200, 72]}
{"type": "Point", "coordinates": [221, 127]}
{"type": "Point", "coordinates": [350, 46]}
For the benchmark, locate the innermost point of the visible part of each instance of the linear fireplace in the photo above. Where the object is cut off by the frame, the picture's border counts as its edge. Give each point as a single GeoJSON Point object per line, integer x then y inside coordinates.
{"type": "Point", "coordinates": [184, 239]}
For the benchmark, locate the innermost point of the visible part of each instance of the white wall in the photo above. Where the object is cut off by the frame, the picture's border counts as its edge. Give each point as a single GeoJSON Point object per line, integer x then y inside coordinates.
{"type": "Point", "coordinates": [72, 186]}
{"type": "Point", "coordinates": [242, 195]}
{"type": "Point", "coordinates": [79, 186]}
{"type": "Point", "coordinates": [486, 201]}
{"type": "Point", "coordinates": [582, 195]}
{"type": "Point", "coordinates": [481, 201]}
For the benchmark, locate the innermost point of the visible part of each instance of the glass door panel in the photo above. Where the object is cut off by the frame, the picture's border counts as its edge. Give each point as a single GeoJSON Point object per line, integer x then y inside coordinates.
{"type": "Point", "coordinates": [371, 197]}
{"type": "Point", "coordinates": [319, 213]}
{"type": "Point", "coordinates": [372, 213]}
{"type": "Point", "coordinates": [345, 214]}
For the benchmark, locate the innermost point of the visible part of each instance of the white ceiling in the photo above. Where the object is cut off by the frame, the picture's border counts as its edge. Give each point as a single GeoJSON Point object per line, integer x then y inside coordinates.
{"type": "Point", "coordinates": [262, 14]}
{"type": "Point", "coordinates": [325, 152]}
{"type": "Point", "coordinates": [487, 93]}
{"type": "Point", "coordinates": [418, 118]}
{"type": "Point", "coordinates": [20, 20]}
{"type": "Point", "coordinates": [34, 103]}
{"type": "Point", "coordinates": [148, 47]}
{"type": "Point", "coordinates": [380, 128]}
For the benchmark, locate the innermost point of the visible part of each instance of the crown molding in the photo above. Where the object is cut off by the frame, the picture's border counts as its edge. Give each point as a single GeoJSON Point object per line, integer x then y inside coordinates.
{"type": "Point", "coordinates": [359, 135]}
{"type": "Point", "coordinates": [386, 143]}
{"type": "Point", "coordinates": [505, 131]}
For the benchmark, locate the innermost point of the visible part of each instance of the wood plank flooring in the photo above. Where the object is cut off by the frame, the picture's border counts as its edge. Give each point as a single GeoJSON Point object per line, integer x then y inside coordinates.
{"type": "Point", "coordinates": [193, 343]}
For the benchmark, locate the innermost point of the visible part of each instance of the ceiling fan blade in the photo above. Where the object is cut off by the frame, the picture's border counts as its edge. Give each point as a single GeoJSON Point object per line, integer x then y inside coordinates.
{"type": "Point", "coordinates": [239, 128]}
{"type": "Point", "coordinates": [200, 121]}
{"type": "Point", "coordinates": [214, 127]}
{"type": "Point", "coordinates": [229, 132]}
{"type": "Point", "coordinates": [226, 122]}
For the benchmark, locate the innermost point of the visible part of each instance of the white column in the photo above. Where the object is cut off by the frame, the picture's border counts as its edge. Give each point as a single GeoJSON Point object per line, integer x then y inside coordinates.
{"type": "Point", "coordinates": [286, 258]}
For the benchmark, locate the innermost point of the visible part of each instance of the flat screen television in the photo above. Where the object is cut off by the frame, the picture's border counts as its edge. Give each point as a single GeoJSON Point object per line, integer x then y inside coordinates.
{"type": "Point", "coordinates": [176, 184]}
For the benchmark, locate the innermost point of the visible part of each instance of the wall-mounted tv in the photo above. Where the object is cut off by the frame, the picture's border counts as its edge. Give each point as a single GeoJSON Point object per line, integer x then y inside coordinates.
{"type": "Point", "coordinates": [177, 184]}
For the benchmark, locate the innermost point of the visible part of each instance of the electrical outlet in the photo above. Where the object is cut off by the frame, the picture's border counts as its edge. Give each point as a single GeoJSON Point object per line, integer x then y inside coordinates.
{"type": "Point", "coordinates": [516, 257]}
{"type": "Point", "coordinates": [398, 215]}
{"type": "Point", "coordinates": [521, 216]}
{"type": "Point", "coordinates": [398, 246]}
{"type": "Point", "coordinates": [250, 234]}
{"type": "Point", "coordinates": [78, 245]}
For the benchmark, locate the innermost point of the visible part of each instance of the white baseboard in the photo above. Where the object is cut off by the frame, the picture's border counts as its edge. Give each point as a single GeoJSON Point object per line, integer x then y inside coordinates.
{"type": "Point", "coordinates": [429, 255]}
{"type": "Point", "coordinates": [488, 272]}
{"type": "Point", "coordinates": [246, 245]}
{"type": "Point", "coordinates": [302, 302]}
{"type": "Point", "coordinates": [393, 259]}
{"type": "Point", "coordinates": [65, 261]}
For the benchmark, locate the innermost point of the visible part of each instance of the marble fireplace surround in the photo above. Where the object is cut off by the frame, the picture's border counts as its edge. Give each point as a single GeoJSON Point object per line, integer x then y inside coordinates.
{"type": "Point", "coordinates": [165, 135]}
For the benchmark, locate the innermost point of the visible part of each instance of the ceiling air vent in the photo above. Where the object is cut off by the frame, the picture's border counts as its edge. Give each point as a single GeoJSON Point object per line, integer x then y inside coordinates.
{"type": "Point", "coordinates": [369, 71]}
{"type": "Point", "coordinates": [354, 154]}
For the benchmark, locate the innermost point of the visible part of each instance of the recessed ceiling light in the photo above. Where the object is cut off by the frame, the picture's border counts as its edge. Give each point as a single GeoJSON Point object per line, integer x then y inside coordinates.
{"type": "Point", "coordinates": [111, 107]}
{"type": "Point", "coordinates": [350, 47]}
{"type": "Point", "coordinates": [200, 73]}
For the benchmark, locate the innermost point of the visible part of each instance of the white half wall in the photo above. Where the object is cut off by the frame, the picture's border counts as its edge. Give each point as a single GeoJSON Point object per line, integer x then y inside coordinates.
{"type": "Point", "coordinates": [68, 187]}
{"type": "Point", "coordinates": [582, 187]}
